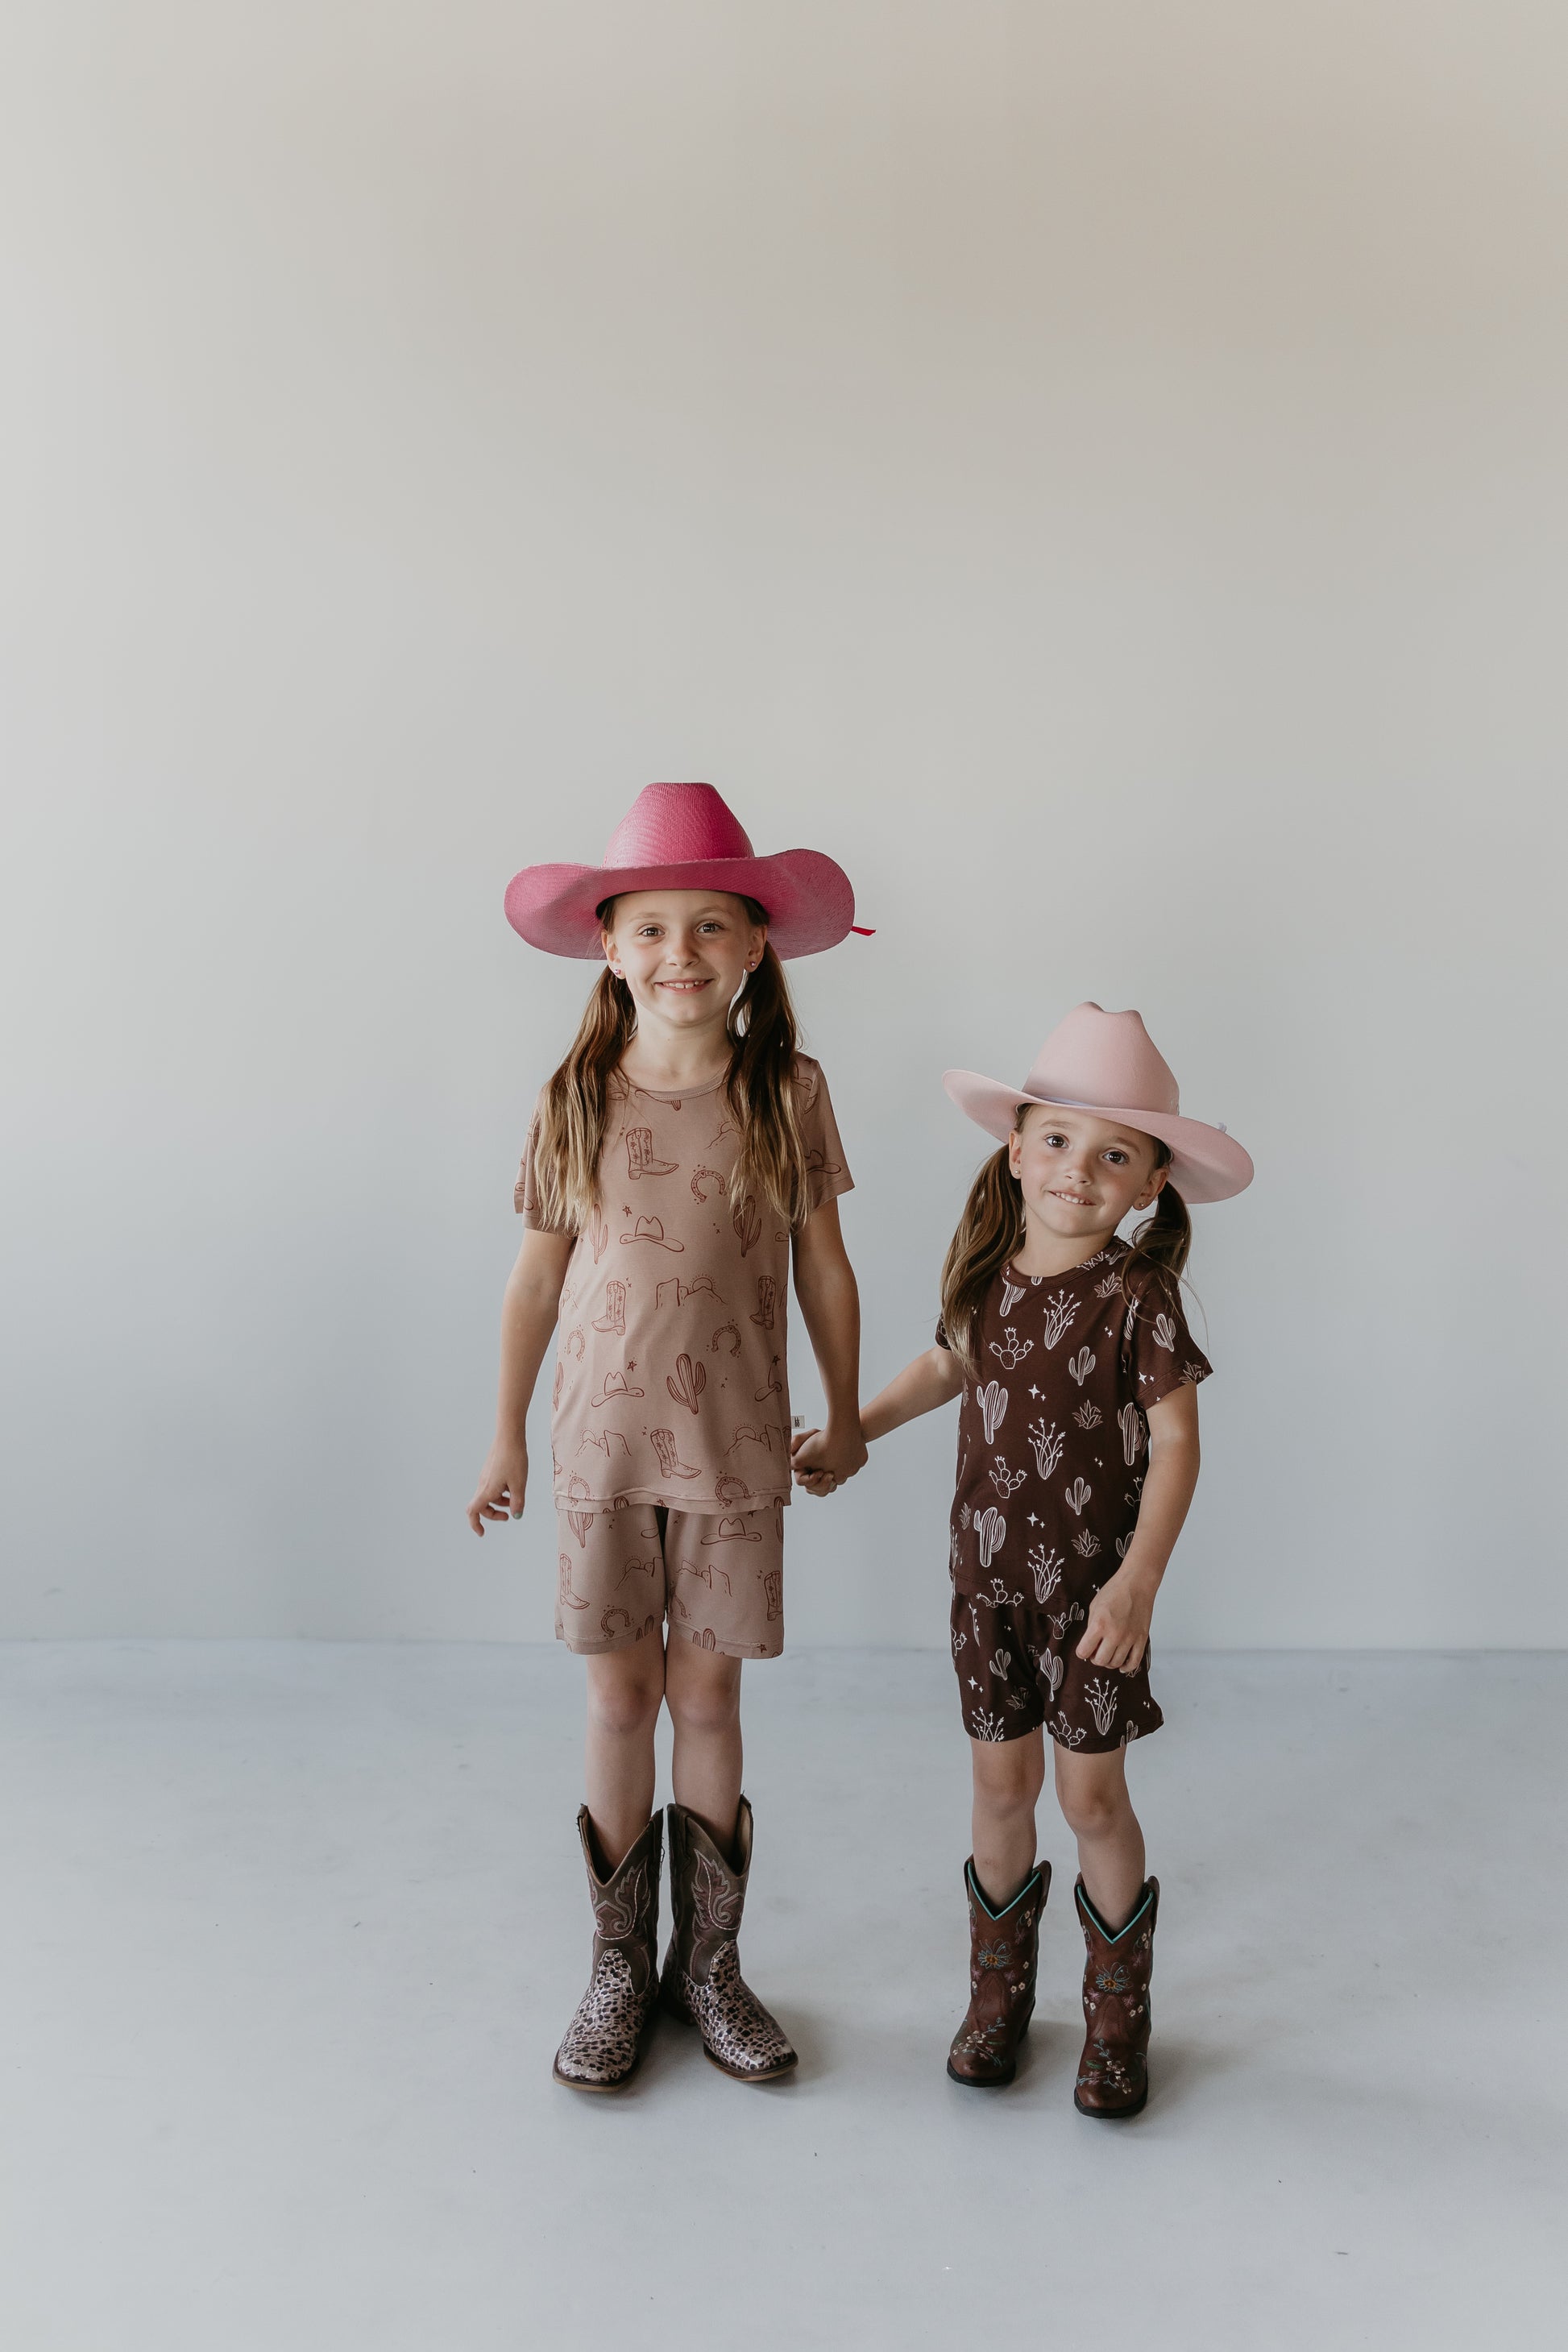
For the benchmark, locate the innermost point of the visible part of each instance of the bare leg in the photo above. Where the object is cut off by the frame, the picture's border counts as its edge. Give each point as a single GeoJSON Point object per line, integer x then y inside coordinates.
{"type": "Point", "coordinates": [1092, 1790]}
{"type": "Point", "coordinates": [702, 1691]}
{"type": "Point", "coordinates": [624, 1687]}
{"type": "Point", "coordinates": [1008, 1777]}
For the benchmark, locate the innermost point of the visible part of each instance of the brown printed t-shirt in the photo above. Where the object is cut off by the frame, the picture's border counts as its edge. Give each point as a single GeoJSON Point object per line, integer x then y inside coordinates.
{"type": "Point", "coordinates": [1053, 1438]}
{"type": "Point", "coordinates": [671, 1379]}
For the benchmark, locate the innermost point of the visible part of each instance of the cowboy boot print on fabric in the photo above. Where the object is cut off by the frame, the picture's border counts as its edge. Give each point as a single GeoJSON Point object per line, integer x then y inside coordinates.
{"type": "Point", "coordinates": [702, 1984]}
{"type": "Point", "coordinates": [641, 1159]}
{"type": "Point", "coordinates": [613, 1317]}
{"type": "Point", "coordinates": [604, 2042]}
{"type": "Point", "coordinates": [670, 1465]}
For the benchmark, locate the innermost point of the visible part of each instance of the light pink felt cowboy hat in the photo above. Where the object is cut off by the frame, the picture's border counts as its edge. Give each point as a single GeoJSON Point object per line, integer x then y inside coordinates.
{"type": "Point", "coordinates": [684, 837]}
{"type": "Point", "coordinates": [1107, 1063]}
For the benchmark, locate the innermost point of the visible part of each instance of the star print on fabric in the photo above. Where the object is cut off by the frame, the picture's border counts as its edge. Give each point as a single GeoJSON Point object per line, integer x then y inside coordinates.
{"type": "Point", "coordinates": [1035, 1393]}
{"type": "Point", "coordinates": [1034, 1522]}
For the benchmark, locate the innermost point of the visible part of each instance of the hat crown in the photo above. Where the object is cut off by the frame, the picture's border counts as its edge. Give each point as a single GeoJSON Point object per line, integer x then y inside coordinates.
{"type": "Point", "coordinates": [676, 825]}
{"type": "Point", "coordinates": [1104, 1058]}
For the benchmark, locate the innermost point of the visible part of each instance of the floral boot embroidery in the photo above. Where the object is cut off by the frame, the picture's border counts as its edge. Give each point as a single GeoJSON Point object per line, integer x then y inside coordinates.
{"type": "Point", "coordinates": [1113, 2071]}
{"type": "Point", "coordinates": [702, 1984]}
{"type": "Point", "coordinates": [1003, 1952]}
{"type": "Point", "coordinates": [605, 2040]}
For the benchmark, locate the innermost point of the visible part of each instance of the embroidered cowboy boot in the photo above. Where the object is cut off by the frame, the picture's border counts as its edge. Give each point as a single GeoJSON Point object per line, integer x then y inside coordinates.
{"type": "Point", "coordinates": [702, 1983]}
{"type": "Point", "coordinates": [1113, 2071]}
{"type": "Point", "coordinates": [1003, 1950]}
{"type": "Point", "coordinates": [605, 2040]}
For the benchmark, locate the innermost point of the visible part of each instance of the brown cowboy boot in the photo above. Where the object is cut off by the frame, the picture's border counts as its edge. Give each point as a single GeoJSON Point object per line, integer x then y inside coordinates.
{"type": "Point", "coordinates": [702, 1983]}
{"type": "Point", "coordinates": [1003, 1949]}
{"type": "Point", "coordinates": [1113, 2071]}
{"type": "Point", "coordinates": [605, 2040]}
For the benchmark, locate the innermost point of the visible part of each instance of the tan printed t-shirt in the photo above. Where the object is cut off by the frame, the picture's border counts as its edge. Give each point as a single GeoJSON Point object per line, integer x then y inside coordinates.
{"type": "Point", "coordinates": [671, 1373]}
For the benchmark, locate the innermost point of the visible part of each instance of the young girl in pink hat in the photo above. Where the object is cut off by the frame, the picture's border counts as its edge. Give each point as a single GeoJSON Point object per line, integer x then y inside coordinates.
{"type": "Point", "coordinates": [1078, 1456]}
{"type": "Point", "coordinates": [681, 1158]}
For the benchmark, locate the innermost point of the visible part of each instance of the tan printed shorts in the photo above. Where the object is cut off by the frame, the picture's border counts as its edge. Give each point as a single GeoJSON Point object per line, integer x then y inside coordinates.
{"type": "Point", "coordinates": [719, 1578]}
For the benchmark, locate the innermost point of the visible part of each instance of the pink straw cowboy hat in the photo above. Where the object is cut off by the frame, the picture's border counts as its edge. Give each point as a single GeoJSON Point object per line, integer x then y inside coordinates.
{"type": "Point", "coordinates": [1107, 1063]}
{"type": "Point", "coordinates": [684, 837]}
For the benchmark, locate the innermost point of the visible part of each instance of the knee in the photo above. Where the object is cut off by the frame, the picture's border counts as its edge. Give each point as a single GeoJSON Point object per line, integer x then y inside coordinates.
{"type": "Point", "coordinates": [1094, 1814]}
{"type": "Point", "coordinates": [1008, 1784]}
{"type": "Point", "coordinates": [623, 1705]}
{"type": "Point", "coordinates": [704, 1707]}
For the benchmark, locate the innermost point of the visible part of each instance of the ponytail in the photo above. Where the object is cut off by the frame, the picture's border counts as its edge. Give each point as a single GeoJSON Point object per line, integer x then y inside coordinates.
{"type": "Point", "coordinates": [1161, 1245]}
{"type": "Point", "coordinates": [760, 1090]}
{"type": "Point", "coordinates": [990, 1231]}
{"type": "Point", "coordinates": [574, 1108]}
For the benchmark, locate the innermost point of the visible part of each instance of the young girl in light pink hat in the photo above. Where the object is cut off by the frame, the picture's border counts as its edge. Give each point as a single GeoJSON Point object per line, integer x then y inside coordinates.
{"type": "Point", "coordinates": [681, 1158]}
{"type": "Point", "coordinates": [1078, 1456]}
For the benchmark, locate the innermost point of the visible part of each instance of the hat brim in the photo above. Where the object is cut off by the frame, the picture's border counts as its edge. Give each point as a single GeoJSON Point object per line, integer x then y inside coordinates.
{"type": "Point", "coordinates": [1207, 1164]}
{"type": "Point", "coordinates": [810, 905]}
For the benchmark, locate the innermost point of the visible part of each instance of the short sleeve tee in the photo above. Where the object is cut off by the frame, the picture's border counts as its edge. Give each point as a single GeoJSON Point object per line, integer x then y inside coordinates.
{"type": "Point", "coordinates": [1053, 1437]}
{"type": "Point", "coordinates": [671, 1374]}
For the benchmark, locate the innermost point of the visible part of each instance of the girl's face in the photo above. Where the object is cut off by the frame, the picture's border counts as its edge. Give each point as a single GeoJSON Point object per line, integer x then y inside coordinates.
{"type": "Point", "coordinates": [683, 953]}
{"type": "Point", "coordinates": [1080, 1176]}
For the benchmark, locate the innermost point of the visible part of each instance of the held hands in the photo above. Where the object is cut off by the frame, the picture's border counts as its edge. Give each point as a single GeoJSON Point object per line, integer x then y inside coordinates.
{"type": "Point", "coordinates": [824, 1458]}
{"type": "Point", "coordinates": [502, 1485]}
{"type": "Point", "coordinates": [1117, 1633]}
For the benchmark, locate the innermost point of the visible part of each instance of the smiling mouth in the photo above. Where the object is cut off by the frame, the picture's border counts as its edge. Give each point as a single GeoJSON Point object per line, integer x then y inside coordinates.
{"type": "Point", "coordinates": [684, 987]}
{"type": "Point", "coordinates": [1073, 1200]}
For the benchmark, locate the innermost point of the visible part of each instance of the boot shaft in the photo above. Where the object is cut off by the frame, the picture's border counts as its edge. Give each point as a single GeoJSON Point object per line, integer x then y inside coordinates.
{"type": "Point", "coordinates": [707, 1890]}
{"type": "Point", "coordinates": [1003, 1955]}
{"type": "Point", "coordinates": [626, 1899]}
{"type": "Point", "coordinates": [1117, 1968]}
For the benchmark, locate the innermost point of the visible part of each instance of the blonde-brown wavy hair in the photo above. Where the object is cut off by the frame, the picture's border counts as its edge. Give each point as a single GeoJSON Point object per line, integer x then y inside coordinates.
{"type": "Point", "coordinates": [759, 1088]}
{"type": "Point", "coordinates": [991, 1232]}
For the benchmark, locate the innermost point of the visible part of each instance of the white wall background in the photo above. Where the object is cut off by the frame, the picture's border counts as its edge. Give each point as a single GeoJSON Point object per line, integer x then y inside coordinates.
{"type": "Point", "coordinates": [1098, 471]}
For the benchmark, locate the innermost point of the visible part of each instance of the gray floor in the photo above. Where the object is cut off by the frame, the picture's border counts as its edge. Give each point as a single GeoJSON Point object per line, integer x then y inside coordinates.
{"type": "Point", "coordinates": [291, 1931]}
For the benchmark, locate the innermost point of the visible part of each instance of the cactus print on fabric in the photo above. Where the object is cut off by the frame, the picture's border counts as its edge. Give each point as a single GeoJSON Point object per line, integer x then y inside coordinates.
{"type": "Point", "coordinates": [717, 1577]}
{"type": "Point", "coordinates": [1053, 1444]}
{"type": "Point", "coordinates": [671, 1385]}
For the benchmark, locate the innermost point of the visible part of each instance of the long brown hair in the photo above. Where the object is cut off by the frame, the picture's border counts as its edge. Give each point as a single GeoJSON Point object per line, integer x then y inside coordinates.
{"type": "Point", "coordinates": [759, 1089]}
{"type": "Point", "coordinates": [991, 1232]}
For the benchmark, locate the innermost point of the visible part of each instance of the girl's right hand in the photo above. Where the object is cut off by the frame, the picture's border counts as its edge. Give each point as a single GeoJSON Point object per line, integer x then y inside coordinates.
{"type": "Point", "coordinates": [502, 1485]}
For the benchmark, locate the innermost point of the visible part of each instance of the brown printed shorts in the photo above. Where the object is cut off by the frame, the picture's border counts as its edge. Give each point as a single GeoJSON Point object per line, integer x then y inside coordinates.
{"type": "Point", "coordinates": [718, 1578]}
{"type": "Point", "coordinates": [1018, 1671]}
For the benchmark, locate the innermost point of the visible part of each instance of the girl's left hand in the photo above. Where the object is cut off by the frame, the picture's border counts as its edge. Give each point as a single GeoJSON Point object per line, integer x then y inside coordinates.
{"type": "Point", "coordinates": [823, 1459]}
{"type": "Point", "coordinates": [1117, 1633]}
